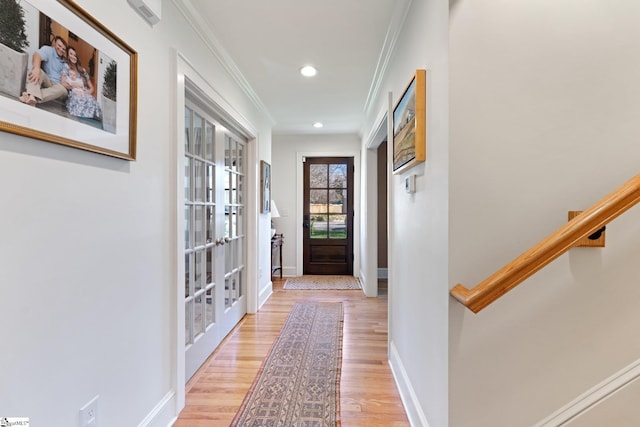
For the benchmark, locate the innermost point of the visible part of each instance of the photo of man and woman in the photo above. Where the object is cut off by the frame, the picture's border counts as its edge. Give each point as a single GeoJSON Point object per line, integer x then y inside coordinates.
{"type": "Point", "coordinates": [47, 66]}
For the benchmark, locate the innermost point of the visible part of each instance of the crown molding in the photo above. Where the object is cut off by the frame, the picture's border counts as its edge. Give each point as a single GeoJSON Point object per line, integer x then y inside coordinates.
{"type": "Point", "coordinates": [400, 13]}
{"type": "Point", "coordinates": [212, 42]}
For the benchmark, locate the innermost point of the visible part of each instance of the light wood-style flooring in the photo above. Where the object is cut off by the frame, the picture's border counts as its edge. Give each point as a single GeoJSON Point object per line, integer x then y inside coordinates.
{"type": "Point", "coordinates": [368, 395]}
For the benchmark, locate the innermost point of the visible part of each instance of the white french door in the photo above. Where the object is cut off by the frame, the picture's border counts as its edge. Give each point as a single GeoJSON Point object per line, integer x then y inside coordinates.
{"type": "Point", "coordinates": [214, 234]}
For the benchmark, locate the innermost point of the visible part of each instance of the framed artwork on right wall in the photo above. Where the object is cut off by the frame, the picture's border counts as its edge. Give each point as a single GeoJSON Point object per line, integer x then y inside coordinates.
{"type": "Point", "coordinates": [409, 124]}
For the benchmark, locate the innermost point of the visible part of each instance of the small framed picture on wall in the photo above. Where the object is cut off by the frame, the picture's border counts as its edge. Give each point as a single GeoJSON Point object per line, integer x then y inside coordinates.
{"type": "Point", "coordinates": [265, 187]}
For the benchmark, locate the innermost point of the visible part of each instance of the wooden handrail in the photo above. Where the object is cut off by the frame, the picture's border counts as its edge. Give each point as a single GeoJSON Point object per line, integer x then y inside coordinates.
{"type": "Point", "coordinates": [550, 248]}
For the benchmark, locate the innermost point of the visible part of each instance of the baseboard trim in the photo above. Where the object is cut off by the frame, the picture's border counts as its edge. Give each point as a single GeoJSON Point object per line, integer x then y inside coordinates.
{"type": "Point", "coordinates": [407, 394]}
{"type": "Point", "coordinates": [264, 295]}
{"type": "Point", "coordinates": [369, 289]}
{"type": "Point", "coordinates": [592, 397]}
{"type": "Point", "coordinates": [164, 413]}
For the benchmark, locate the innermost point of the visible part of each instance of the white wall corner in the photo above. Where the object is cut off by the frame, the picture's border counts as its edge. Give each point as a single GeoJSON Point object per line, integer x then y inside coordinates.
{"type": "Point", "coordinates": [408, 396]}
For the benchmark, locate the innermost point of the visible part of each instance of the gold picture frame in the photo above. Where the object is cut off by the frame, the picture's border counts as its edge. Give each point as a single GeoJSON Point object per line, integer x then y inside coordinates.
{"type": "Point", "coordinates": [108, 69]}
{"type": "Point", "coordinates": [409, 125]}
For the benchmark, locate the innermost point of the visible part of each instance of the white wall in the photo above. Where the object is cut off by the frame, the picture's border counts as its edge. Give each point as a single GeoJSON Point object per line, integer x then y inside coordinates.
{"type": "Point", "coordinates": [286, 184]}
{"type": "Point", "coordinates": [418, 247]}
{"type": "Point", "coordinates": [544, 103]}
{"type": "Point", "coordinates": [87, 259]}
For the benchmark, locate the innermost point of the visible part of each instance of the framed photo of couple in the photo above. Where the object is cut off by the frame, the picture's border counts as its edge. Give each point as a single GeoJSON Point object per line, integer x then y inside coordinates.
{"type": "Point", "coordinates": [83, 94]}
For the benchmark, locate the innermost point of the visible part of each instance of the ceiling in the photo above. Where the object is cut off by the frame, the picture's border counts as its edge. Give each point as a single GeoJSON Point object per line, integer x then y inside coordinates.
{"type": "Point", "coordinates": [268, 41]}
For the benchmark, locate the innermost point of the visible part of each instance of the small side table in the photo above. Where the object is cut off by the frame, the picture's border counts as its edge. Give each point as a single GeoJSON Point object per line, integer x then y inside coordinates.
{"type": "Point", "coordinates": [276, 246]}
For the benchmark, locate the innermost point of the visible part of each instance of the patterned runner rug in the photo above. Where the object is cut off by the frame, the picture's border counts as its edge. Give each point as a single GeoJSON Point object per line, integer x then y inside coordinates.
{"type": "Point", "coordinates": [299, 381]}
{"type": "Point", "coordinates": [322, 282]}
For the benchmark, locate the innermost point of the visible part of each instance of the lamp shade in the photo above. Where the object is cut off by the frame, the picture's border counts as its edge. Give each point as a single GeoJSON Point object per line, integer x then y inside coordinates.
{"type": "Point", "coordinates": [274, 210]}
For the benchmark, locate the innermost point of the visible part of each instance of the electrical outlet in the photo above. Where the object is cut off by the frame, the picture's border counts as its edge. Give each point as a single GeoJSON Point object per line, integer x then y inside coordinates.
{"type": "Point", "coordinates": [89, 414]}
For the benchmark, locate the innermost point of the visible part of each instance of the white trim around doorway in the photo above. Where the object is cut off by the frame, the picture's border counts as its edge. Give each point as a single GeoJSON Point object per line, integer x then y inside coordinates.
{"type": "Point", "coordinates": [356, 203]}
{"type": "Point", "coordinates": [185, 70]}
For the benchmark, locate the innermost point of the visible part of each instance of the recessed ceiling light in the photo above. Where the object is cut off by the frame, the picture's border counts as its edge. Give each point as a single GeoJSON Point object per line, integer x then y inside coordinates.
{"type": "Point", "coordinates": [317, 125]}
{"type": "Point", "coordinates": [308, 71]}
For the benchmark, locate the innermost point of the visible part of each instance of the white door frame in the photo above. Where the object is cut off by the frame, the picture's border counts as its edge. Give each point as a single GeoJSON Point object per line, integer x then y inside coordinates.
{"type": "Point", "coordinates": [227, 113]}
{"type": "Point", "coordinates": [370, 222]}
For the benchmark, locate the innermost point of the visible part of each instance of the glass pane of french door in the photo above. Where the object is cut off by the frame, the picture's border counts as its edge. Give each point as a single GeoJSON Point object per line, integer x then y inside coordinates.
{"type": "Point", "coordinates": [234, 220]}
{"type": "Point", "coordinates": [199, 208]}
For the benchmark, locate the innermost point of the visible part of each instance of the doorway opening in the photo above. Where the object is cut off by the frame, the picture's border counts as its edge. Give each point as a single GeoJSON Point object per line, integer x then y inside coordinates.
{"type": "Point", "coordinates": [214, 193]}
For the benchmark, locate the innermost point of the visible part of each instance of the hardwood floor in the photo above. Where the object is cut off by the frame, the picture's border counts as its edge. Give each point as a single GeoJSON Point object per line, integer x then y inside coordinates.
{"type": "Point", "coordinates": [368, 395]}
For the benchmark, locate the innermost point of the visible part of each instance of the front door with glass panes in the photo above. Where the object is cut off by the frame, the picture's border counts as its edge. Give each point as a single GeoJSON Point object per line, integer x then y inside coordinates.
{"type": "Point", "coordinates": [214, 239]}
{"type": "Point", "coordinates": [328, 215]}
